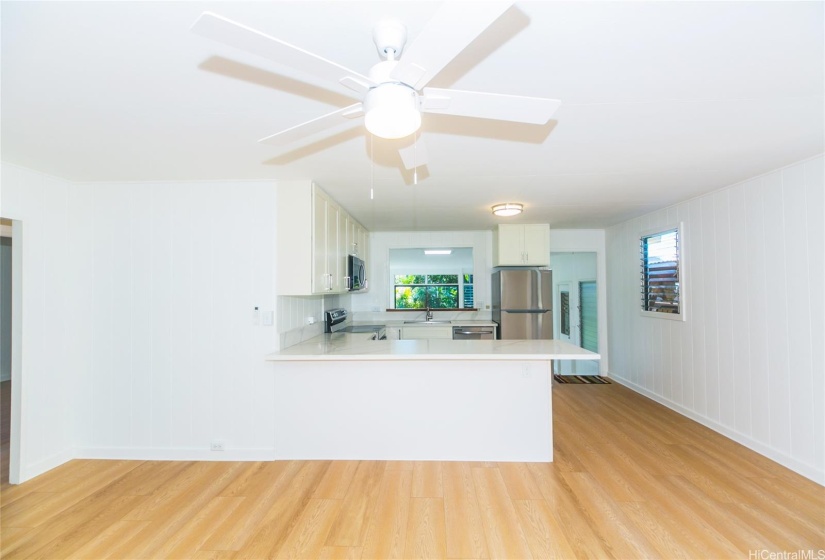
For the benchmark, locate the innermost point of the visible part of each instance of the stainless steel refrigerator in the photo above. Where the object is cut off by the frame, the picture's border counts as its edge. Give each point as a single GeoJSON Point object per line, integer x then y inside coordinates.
{"type": "Point", "coordinates": [523, 303]}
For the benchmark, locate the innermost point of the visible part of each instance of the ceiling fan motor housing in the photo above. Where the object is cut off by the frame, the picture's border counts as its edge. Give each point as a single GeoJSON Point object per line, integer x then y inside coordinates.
{"type": "Point", "coordinates": [389, 36]}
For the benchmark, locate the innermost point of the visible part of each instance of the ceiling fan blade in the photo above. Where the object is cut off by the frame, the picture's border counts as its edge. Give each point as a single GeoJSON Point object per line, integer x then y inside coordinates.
{"type": "Point", "coordinates": [414, 155]}
{"type": "Point", "coordinates": [454, 26]}
{"type": "Point", "coordinates": [309, 128]}
{"type": "Point", "coordinates": [245, 38]}
{"type": "Point", "coordinates": [517, 108]}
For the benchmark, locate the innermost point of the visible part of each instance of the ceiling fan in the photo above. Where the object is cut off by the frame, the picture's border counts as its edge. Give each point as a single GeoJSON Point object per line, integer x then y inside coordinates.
{"type": "Point", "coordinates": [394, 93]}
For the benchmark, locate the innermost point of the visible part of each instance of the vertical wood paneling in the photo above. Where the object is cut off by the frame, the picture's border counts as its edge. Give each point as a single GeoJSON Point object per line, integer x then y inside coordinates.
{"type": "Point", "coordinates": [776, 308]}
{"type": "Point", "coordinates": [757, 304]}
{"type": "Point", "coordinates": [161, 220]}
{"type": "Point", "coordinates": [121, 338]}
{"type": "Point", "coordinates": [140, 288]}
{"type": "Point", "coordinates": [80, 338]}
{"type": "Point", "coordinates": [696, 312]}
{"type": "Point", "coordinates": [176, 277]}
{"type": "Point", "coordinates": [800, 373]}
{"type": "Point", "coordinates": [685, 328]}
{"type": "Point", "coordinates": [182, 376]}
{"type": "Point", "coordinates": [56, 296]}
{"type": "Point", "coordinates": [204, 207]}
{"type": "Point", "coordinates": [814, 203]}
{"type": "Point", "coordinates": [709, 306]}
{"type": "Point", "coordinates": [121, 275]}
{"type": "Point", "coordinates": [740, 310]}
{"type": "Point", "coordinates": [746, 358]}
{"type": "Point", "coordinates": [724, 305]}
{"type": "Point", "coordinates": [102, 347]}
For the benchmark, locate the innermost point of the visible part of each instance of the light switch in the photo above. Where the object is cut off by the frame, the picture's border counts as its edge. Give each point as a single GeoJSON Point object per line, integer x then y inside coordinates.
{"type": "Point", "coordinates": [269, 318]}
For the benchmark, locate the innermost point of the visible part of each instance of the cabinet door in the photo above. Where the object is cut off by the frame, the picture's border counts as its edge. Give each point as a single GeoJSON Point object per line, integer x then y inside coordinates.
{"type": "Point", "coordinates": [510, 245]}
{"type": "Point", "coordinates": [537, 244]}
{"type": "Point", "coordinates": [320, 271]}
{"type": "Point", "coordinates": [332, 250]}
{"type": "Point", "coordinates": [358, 241]}
{"type": "Point", "coordinates": [426, 331]}
{"type": "Point", "coordinates": [341, 252]}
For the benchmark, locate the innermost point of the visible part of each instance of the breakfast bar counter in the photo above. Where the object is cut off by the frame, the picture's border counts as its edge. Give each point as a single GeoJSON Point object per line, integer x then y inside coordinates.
{"type": "Point", "coordinates": [342, 396]}
{"type": "Point", "coordinates": [349, 347]}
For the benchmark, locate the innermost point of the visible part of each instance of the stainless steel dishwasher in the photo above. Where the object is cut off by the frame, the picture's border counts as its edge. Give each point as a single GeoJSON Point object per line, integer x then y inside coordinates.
{"type": "Point", "coordinates": [474, 333]}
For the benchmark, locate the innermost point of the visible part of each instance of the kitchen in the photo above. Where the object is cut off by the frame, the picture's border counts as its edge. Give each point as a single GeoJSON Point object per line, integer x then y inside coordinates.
{"type": "Point", "coordinates": [141, 273]}
{"type": "Point", "coordinates": [200, 261]}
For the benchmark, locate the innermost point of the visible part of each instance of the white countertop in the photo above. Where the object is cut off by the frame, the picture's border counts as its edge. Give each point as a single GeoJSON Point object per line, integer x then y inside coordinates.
{"type": "Point", "coordinates": [358, 347]}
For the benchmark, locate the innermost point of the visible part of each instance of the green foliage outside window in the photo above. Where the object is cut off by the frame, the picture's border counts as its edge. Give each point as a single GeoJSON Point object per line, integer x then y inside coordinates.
{"type": "Point", "coordinates": [437, 291]}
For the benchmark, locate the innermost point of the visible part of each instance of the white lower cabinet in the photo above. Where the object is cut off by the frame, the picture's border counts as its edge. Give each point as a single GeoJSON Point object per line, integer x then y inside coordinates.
{"type": "Point", "coordinates": [426, 331]}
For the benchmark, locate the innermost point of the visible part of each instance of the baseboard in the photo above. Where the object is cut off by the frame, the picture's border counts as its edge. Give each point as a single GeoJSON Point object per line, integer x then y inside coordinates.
{"type": "Point", "coordinates": [808, 471]}
{"type": "Point", "coordinates": [167, 454]}
{"type": "Point", "coordinates": [27, 472]}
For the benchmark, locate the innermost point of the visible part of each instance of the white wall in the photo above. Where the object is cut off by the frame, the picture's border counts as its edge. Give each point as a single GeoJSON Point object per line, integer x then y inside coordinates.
{"type": "Point", "coordinates": [171, 359]}
{"type": "Point", "coordinates": [748, 361]}
{"type": "Point", "coordinates": [44, 379]}
{"type": "Point", "coordinates": [589, 240]}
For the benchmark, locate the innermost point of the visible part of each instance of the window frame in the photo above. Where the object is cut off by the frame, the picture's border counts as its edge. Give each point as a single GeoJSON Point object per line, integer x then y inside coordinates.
{"type": "Point", "coordinates": [679, 228]}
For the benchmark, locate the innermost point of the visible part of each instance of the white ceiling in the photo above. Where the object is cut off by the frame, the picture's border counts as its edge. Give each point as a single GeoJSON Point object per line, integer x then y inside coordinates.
{"type": "Point", "coordinates": [661, 101]}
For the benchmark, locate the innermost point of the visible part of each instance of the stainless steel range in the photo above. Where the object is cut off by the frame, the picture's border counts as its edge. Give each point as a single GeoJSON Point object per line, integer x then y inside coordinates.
{"type": "Point", "coordinates": [336, 320]}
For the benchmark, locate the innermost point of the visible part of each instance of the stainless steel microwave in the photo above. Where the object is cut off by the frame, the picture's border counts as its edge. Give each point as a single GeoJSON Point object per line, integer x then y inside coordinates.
{"type": "Point", "coordinates": [356, 274]}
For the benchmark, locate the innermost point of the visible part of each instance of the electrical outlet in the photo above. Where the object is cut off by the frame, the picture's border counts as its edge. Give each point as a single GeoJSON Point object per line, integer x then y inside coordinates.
{"type": "Point", "coordinates": [218, 445]}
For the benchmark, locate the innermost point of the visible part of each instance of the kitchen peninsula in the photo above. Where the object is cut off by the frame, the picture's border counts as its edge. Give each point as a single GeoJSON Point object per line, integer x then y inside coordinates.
{"type": "Point", "coordinates": [342, 396]}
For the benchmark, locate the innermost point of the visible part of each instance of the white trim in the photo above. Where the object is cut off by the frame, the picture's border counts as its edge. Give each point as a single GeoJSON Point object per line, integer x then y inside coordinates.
{"type": "Point", "coordinates": [806, 470]}
{"type": "Point", "coordinates": [27, 472]}
{"type": "Point", "coordinates": [174, 454]}
{"type": "Point", "coordinates": [16, 444]}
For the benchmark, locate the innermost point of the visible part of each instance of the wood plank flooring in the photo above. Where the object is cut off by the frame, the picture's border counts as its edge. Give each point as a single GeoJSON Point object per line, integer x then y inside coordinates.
{"type": "Point", "coordinates": [631, 479]}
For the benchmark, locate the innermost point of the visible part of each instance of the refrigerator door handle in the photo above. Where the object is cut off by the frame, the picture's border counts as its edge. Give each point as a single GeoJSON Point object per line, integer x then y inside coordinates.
{"type": "Point", "coordinates": [526, 310]}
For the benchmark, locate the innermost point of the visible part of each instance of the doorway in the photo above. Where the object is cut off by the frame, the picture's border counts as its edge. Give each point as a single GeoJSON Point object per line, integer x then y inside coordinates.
{"type": "Point", "coordinates": [575, 308]}
{"type": "Point", "coordinates": [11, 325]}
{"type": "Point", "coordinates": [5, 345]}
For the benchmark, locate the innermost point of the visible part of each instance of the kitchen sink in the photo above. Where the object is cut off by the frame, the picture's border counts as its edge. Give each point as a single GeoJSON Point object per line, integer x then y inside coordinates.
{"type": "Point", "coordinates": [427, 322]}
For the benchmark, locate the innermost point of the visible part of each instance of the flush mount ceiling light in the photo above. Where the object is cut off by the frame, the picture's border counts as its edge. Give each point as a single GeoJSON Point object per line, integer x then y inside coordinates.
{"type": "Point", "coordinates": [391, 111]}
{"type": "Point", "coordinates": [508, 209]}
{"type": "Point", "coordinates": [438, 251]}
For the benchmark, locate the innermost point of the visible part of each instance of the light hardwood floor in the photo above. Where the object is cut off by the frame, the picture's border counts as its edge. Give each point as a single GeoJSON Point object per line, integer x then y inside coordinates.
{"type": "Point", "coordinates": [631, 480]}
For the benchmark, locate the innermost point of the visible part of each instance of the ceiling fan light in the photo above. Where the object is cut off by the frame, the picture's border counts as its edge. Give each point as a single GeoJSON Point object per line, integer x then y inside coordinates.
{"type": "Point", "coordinates": [391, 111]}
{"type": "Point", "coordinates": [508, 209]}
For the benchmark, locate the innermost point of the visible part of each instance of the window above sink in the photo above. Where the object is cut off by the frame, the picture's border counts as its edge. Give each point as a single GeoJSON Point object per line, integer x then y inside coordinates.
{"type": "Point", "coordinates": [441, 279]}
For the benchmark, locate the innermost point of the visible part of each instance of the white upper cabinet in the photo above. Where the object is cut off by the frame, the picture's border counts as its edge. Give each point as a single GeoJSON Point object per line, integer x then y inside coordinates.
{"type": "Point", "coordinates": [313, 241]}
{"type": "Point", "coordinates": [521, 245]}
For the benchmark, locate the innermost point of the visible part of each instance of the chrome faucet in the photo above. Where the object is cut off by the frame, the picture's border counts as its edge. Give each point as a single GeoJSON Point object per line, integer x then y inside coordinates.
{"type": "Point", "coordinates": [429, 315]}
